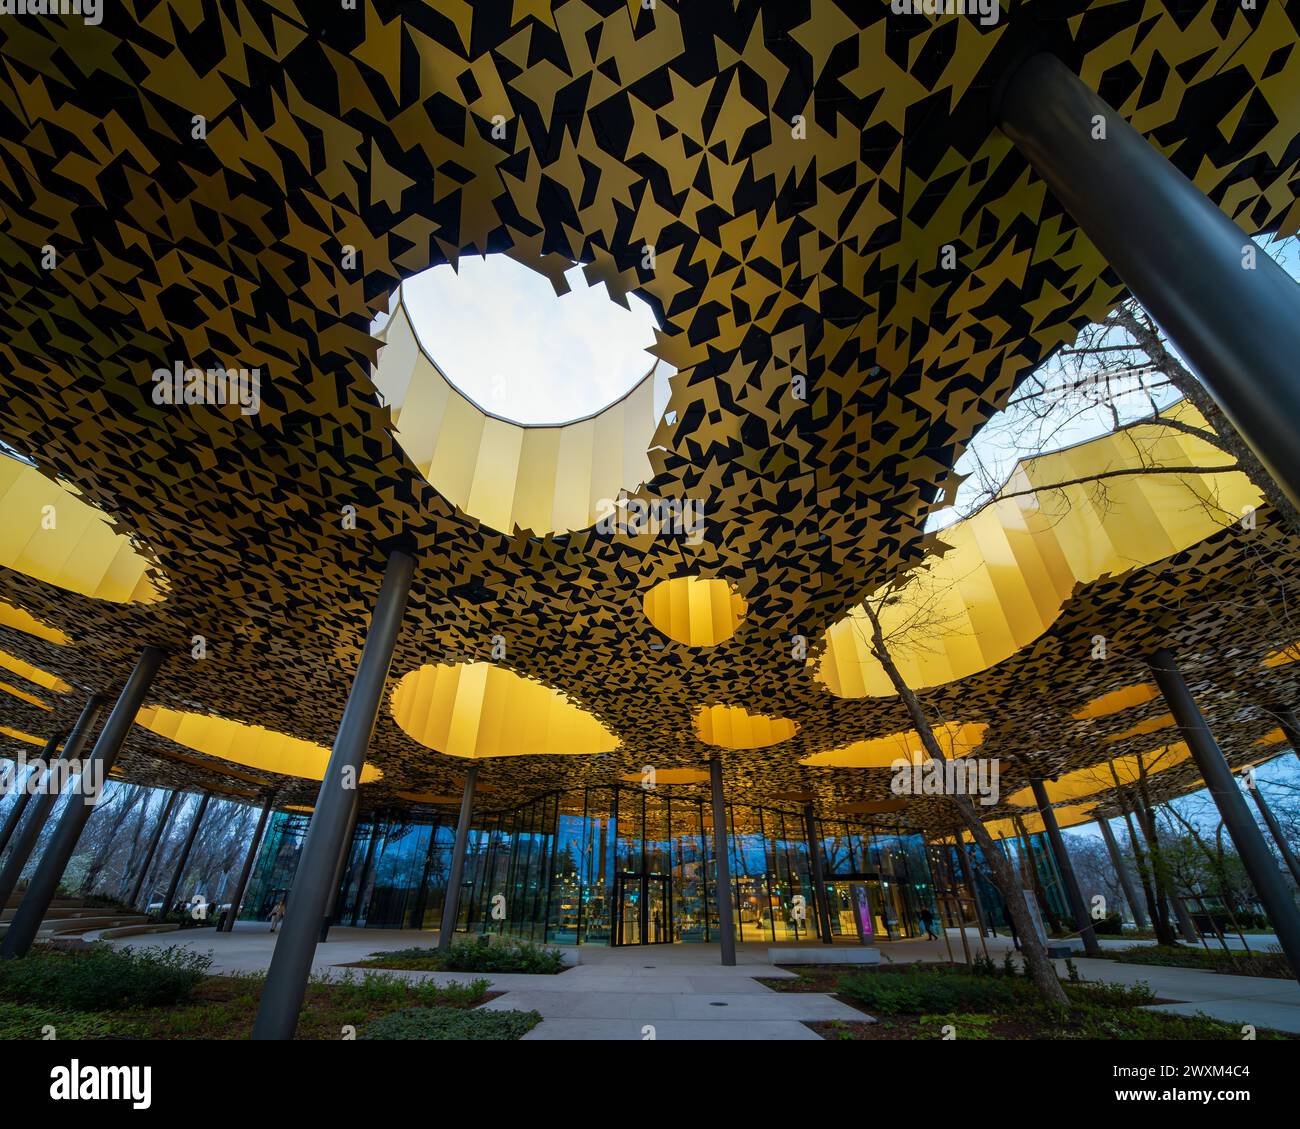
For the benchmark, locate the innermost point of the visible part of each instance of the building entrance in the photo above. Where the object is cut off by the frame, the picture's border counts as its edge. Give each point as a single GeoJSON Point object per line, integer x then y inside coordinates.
{"type": "Point", "coordinates": [642, 909]}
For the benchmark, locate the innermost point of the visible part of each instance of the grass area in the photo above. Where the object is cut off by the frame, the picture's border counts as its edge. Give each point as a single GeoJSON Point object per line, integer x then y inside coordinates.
{"type": "Point", "coordinates": [1270, 963]}
{"type": "Point", "coordinates": [167, 993]}
{"type": "Point", "coordinates": [934, 1001]}
{"type": "Point", "coordinates": [473, 956]}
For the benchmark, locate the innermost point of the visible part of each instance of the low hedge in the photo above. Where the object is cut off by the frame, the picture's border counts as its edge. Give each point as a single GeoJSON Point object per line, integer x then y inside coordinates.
{"type": "Point", "coordinates": [103, 978]}
{"type": "Point", "coordinates": [445, 1023]}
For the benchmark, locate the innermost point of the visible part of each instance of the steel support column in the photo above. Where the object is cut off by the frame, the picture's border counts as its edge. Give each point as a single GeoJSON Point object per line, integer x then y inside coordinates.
{"type": "Point", "coordinates": [45, 882]}
{"type": "Point", "coordinates": [23, 792]}
{"type": "Point", "coordinates": [1290, 728]}
{"type": "Point", "coordinates": [181, 863]}
{"type": "Point", "coordinates": [456, 875]}
{"type": "Point", "coordinates": [163, 819]}
{"type": "Point", "coordinates": [1233, 315]}
{"type": "Point", "coordinates": [1125, 878]}
{"type": "Point", "coordinates": [228, 922]}
{"type": "Point", "coordinates": [1288, 856]}
{"type": "Point", "coordinates": [286, 981]}
{"type": "Point", "coordinates": [345, 850]}
{"type": "Point", "coordinates": [1082, 919]}
{"type": "Point", "coordinates": [722, 866]}
{"type": "Point", "coordinates": [820, 906]}
{"type": "Point", "coordinates": [1222, 785]}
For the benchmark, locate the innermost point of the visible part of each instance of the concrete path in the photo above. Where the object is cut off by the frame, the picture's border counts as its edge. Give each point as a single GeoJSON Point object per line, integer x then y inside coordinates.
{"type": "Point", "coordinates": [683, 992]}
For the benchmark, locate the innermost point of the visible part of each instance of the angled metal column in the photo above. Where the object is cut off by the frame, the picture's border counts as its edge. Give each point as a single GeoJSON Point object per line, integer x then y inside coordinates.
{"type": "Point", "coordinates": [1082, 919]}
{"type": "Point", "coordinates": [1222, 785]}
{"type": "Point", "coordinates": [38, 812]}
{"type": "Point", "coordinates": [228, 922]}
{"type": "Point", "coordinates": [722, 866]}
{"type": "Point", "coordinates": [23, 792]}
{"type": "Point", "coordinates": [1125, 878]}
{"type": "Point", "coordinates": [286, 980]}
{"type": "Point", "coordinates": [1288, 856]}
{"type": "Point", "coordinates": [451, 904]}
{"type": "Point", "coordinates": [1234, 316]}
{"type": "Point", "coordinates": [45, 882]}
{"type": "Point", "coordinates": [1291, 727]}
{"type": "Point", "coordinates": [823, 910]}
{"type": "Point", "coordinates": [179, 872]}
{"type": "Point", "coordinates": [163, 819]}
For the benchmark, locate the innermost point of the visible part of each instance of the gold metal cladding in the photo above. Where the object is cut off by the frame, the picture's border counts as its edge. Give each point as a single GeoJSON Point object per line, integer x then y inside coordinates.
{"type": "Point", "coordinates": [19, 735]}
{"type": "Point", "coordinates": [47, 532]}
{"type": "Point", "coordinates": [1116, 701]}
{"type": "Point", "coordinates": [731, 727]}
{"type": "Point", "coordinates": [956, 739]}
{"type": "Point", "coordinates": [694, 610]}
{"type": "Point", "coordinates": [1283, 656]}
{"type": "Point", "coordinates": [477, 710]}
{"type": "Point", "coordinates": [1008, 570]}
{"type": "Point", "coordinates": [247, 745]}
{"type": "Point", "coordinates": [1085, 782]}
{"type": "Point", "coordinates": [27, 623]}
{"type": "Point", "coordinates": [668, 776]}
{"type": "Point", "coordinates": [33, 674]}
{"type": "Point", "coordinates": [510, 476]}
{"type": "Point", "coordinates": [24, 696]}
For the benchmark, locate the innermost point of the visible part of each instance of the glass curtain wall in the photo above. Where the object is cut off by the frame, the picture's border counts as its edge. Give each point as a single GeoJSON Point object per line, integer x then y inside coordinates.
{"type": "Point", "coordinates": [617, 865]}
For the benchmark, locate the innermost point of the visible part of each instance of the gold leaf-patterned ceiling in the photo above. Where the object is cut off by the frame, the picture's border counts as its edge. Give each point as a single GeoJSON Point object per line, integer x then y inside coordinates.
{"type": "Point", "coordinates": [244, 184]}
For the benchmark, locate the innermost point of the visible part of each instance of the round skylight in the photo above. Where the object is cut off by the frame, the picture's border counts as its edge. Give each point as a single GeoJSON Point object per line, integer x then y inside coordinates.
{"type": "Point", "coordinates": [502, 336]}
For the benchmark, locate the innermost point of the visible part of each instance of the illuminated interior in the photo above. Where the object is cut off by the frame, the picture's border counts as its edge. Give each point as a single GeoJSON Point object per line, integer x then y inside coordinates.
{"type": "Point", "coordinates": [477, 710]}
{"type": "Point", "coordinates": [545, 479]}
{"type": "Point", "coordinates": [49, 533]}
{"type": "Point", "coordinates": [694, 610]}
{"type": "Point", "coordinates": [1011, 567]}
{"type": "Point", "coordinates": [247, 745]}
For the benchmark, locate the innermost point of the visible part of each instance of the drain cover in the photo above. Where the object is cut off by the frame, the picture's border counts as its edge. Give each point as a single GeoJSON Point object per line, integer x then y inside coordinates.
{"type": "Point", "coordinates": [715, 1003]}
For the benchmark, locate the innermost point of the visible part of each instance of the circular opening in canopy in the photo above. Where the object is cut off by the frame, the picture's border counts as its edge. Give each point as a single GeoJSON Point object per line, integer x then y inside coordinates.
{"type": "Point", "coordinates": [504, 338]}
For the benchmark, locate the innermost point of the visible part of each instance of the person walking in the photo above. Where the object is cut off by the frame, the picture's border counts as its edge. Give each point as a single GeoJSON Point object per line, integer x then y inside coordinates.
{"type": "Point", "coordinates": [927, 920]}
{"type": "Point", "coordinates": [277, 915]}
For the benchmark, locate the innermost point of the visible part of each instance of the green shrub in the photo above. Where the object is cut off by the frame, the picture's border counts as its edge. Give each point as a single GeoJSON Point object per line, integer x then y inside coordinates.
{"type": "Point", "coordinates": [1237, 962]}
{"type": "Point", "coordinates": [931, 991]}
{"type": "Point", "coordinates": [102, 978]}
{"type": "Point", "coordinates": [25, 1021]}
{"type": "Point", "coordinates": [1112, 925]}
{"type": "Point", "coordinates": [450, 1023]}
{"type": "Point", "coordinates": [481, 955]}
{"type": "Point", "coordinates": [381, 988]}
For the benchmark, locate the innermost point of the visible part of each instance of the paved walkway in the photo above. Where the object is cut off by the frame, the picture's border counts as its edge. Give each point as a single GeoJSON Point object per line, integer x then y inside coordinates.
{"type": "Point", "coordinates": [683, 992]}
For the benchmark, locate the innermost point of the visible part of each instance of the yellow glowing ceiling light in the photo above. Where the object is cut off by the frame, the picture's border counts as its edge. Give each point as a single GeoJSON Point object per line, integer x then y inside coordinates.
{"type": "Point", "coordinates": [248, 745]}
{"type": "Point", "coordinates": [21, 620]}
{"type": "Point", "coordinates": [1151, 725]}
{"type": "Point", "coordinates": [49, 533]}
{"type": "Point", "coordinates": [1117, 701]}
{"type": "Point", "coordinates": [669, 776]}
{"type": "Point", "coordinates": [1089, 781]}
{"type": "Point", "coordinates": [32, 673]}
{"type": "Point", "coordinates": [1287, 654]}
{"type": "Point", "coordinates": [1070, 816]}
{"type": "Point", "coordinates": [23, 695]}
{"type": "Point", "coordinates": [1012, 565]}
{"type": "Point", "coordinates": [547, 479]}
{"type": "Point", "coordinates": [19, 735]}
{"type": "Point", "coordinates": [477, 710]}
{"type": "Point", "coordinates": [955, 738]}
{"type": "Point", "coordinates": [732, 727]}
{"type": "Point", "coordinates": [695, 611]}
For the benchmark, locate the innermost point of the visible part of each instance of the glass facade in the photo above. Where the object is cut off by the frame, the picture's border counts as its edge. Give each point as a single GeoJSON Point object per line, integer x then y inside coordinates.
{"type": "Point", "coordinates": [615, 866]}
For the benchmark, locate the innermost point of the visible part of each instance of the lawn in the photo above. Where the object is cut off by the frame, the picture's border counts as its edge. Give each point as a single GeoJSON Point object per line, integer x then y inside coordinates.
{"type": "Point", "coordinates": [935, 1001]}
{"type": "Point", "coordinates": [167, 993]}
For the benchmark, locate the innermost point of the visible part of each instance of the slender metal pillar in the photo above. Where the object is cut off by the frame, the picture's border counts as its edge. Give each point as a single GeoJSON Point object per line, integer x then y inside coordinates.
{"type": "Point", "coordinates": [45, 882]}
{"type": "Point", "coordinates": [38, 812]}
{"type": "Point", "coordinates": [228, 922]}
{"type": "Point", "coordinates": [722, 866]}
{"type": "Point", "coordinates": [286, 981]}
{"type": "Point", "coordinates": [327, 918]}
{"type": "Point", "coordinates": [170, 897]}
{"type": "Point", "coordinates": [1122, 872]}
{"type": "Point", "coordinates": [1288, 856]}
{"type": "Point", "coordinates": [1233, 315]}
{"type": "Point", "coordinates": [1082, 918]}
{"type": "Point", "coordinates": [451, 904]}
{"type": "Point", "coordinates": [369, 862]}
{"type": "Point", "coordinates": [163, 819]}
{"type": "Point", "coordinates": [1222, 785]}
{"type": "Point", "coordinates": [23, 792]}
{"type": "Point", "coordinates": [821, 908]}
